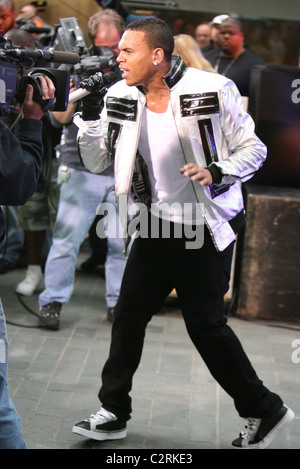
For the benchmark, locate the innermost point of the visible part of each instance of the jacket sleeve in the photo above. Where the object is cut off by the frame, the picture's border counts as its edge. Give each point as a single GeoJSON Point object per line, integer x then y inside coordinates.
{"type": "Point", "coordinates": [92, 148]}
{"type": "Point", "coordinates": [20, 161]}
{"type": "Point", "coordinates": [247, 152]}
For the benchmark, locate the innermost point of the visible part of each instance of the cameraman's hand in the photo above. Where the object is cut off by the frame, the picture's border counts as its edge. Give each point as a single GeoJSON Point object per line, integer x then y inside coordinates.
{"type": "Point", "coordinates": [31, 109]}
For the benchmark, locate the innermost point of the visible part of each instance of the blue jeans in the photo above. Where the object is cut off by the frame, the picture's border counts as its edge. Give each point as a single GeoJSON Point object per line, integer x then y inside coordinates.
{"type": "Point", "coordinates": [11, 436]}
{"type": "Point", "coordinates": [11, 247]}
{"type": "Point", "coordinates": [80, 195]}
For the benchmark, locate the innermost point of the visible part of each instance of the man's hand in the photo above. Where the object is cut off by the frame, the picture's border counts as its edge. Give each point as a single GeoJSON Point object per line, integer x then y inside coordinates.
{"type": "Point", "coordinates": [197, 173]}
{"type": "Point", "coordinates": [92, 104]}
{"type": "Point", "coordinates": [31, 109]}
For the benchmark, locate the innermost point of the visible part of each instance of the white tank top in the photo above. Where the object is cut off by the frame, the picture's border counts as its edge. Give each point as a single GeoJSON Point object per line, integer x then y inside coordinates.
{"type": "Point", "coordinates": [173, 196]}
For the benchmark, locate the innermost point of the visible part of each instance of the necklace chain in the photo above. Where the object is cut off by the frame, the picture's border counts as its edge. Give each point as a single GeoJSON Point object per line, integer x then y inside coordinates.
{"type": "Point", "coordinates": [228, 66]}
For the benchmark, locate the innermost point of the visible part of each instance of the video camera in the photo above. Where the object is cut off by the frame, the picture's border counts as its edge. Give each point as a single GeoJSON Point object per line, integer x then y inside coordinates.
{"type": "Point", "coordinates": [17, 70]}
{"type": "Point", "coordinates": [20, 66]}
{"type": "Point", "coordinates": [69, 37]}
{"type": "Point", "coordinates": [31, 28]}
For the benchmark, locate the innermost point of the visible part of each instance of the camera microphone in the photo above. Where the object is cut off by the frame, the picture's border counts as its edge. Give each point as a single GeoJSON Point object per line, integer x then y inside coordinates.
{"type": "Point", "coordinates": [46, 55]}
{"type": "Point", "coordinates": [94, 84]}
{"type": "Point", "coordinates": [36, 30]}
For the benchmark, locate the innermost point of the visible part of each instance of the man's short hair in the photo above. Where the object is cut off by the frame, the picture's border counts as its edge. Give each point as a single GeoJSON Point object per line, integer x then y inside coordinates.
{"type": "Point", "coordinates": [157, 34]}
{"type": "Point", "coordinates": [107, 17]}
{"type": "Point", "coordinates": [235, 21]}
{"type": "Point", "coordinates": [8, 3]}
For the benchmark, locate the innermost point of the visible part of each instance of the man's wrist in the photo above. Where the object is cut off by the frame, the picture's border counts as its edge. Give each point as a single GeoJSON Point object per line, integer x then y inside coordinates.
{"type": "Point", "coordinates": [216, 173]}
{"type": "Point", "coordinates": [90, 114]}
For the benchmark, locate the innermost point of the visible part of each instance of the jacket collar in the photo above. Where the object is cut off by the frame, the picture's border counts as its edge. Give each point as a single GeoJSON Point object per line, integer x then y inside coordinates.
{"type": "Point", "coordinates": [176, 72]}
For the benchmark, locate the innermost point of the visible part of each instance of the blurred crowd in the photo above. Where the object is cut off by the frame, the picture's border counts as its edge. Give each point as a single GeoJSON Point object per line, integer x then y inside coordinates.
{"type": "Point", "coordinates": [219, 46]}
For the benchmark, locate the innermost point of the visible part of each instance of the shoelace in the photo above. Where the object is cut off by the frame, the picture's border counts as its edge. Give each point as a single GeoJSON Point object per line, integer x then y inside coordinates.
{"type": "Point", "coordinates": [249, 428]}
{"type": "Point", "coordinates": [98, 418]}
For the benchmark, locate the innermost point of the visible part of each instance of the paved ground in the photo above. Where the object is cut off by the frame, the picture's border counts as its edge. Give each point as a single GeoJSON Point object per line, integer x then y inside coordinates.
{"type": "Point", "coordinates": [54, 376]}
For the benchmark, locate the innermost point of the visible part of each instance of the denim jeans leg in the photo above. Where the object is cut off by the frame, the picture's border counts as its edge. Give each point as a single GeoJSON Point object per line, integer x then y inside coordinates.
{"type": "Point", "coordinates": [79, 198]}
{"type": "Point", "coordinates": [11, 435]}
{"type": "Point", "coordinates": [11, 247]}
{"type": "Point", "coordinates": [76, 212]}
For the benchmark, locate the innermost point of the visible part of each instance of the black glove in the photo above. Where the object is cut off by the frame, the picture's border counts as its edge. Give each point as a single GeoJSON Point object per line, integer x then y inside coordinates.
{"type": "Point", "coordinates": [91, 107]}
{"type": "Point", "coordinates": [97, 85]}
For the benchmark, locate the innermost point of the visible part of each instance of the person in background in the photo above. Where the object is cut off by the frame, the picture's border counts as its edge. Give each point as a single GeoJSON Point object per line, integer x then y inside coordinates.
{"type": "Point", "coordinates": [232, 59]}
{"type": "Point", "coordinates": [80, 194]}
{"type": "Point", "coordinates": [8, 16]}
{"type": "Point", "coordinates": [36, 217]}
{"type": "Point", "coordinates": [215, 33]}
{"type": "Point", "coordinates": [20, 37]}
{"type": "Point", "coordinates": [20, 167]}
{"type": "Point", "coordinates": [12, 251]}
{"type": "Point", "coordinates": [203, 35]}
{"type": "Point", "coordinates": [29, 12]}
{"type": "Point", "coordinates": [109, 37]}
{"type": "Point", "coordinates": [188, 49]}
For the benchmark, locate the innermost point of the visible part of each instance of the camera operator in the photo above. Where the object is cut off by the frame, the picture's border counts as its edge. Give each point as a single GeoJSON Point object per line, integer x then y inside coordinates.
{"type": "Point", "coordinates": [80, 194]}
{"type": "Point", "coordinates": [12, 251]}
{"type": "Point", "coordinates": [20, 166]}
{"type": "Point", "coordinates": [29, 19]}
{"type": "Point", "coordinates": [21, 38]}
{"type": "Point", "coordinates": [15, 252]}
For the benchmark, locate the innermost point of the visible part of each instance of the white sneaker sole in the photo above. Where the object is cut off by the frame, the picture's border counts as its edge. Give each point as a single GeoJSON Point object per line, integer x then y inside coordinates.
{"type": "Point", "coordinates": [100, 436]}
{"type": "Point", "coordinates": [289, 416]}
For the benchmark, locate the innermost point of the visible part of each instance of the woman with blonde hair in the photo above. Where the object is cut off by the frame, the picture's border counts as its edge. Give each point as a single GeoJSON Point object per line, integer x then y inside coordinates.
{"type": "Point", "coordinates": [188, 49]}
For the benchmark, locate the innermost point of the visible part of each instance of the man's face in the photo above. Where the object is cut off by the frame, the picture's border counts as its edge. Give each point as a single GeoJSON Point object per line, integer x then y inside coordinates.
{"type": "Point", "coordinates": [135, 58]}
{"type": "Point", "coordinates": [27, 12]}
{"type": "Point", "coordinates": [231, 38]}
{"type": "Point", "coordinates": [215, 34]}
{"type": "Point", "coordinates": [108, 36]}
{"type": "Point", "coordinates": [203, 35]}
{"type": "Point", "coordinates": [7, 19]}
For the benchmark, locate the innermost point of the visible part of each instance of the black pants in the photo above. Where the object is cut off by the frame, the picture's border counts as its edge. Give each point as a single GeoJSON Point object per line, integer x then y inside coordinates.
{"type": "Point", "coordinates": [201, 278]}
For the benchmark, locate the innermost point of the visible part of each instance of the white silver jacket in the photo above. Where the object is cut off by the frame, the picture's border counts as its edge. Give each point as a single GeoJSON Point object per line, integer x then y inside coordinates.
{"type": "Point", "coordinates": [212, 126]}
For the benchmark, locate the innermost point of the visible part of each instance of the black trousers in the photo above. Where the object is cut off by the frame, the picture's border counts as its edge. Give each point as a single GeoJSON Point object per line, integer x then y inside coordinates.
{"type": "Point", "coordinates": [201, 279]}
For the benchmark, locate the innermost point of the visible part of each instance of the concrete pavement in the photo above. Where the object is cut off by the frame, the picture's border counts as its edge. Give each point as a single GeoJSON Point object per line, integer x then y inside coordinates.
{"type": "Point", "coordinates": [54, 376]}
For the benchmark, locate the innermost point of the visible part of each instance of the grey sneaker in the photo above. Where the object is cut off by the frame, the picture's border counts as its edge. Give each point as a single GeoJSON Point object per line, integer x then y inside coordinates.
{"type": "Point", "coordinates": [259, 433]}
{"type": "Point", "coordinates": [102, 426]}
{"type": "Point", "coordinates": [49, 315]}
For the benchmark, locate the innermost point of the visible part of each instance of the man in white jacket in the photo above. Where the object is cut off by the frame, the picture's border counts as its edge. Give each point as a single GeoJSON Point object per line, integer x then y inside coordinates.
{"type": "Point", "coordinates": [186, 133]}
